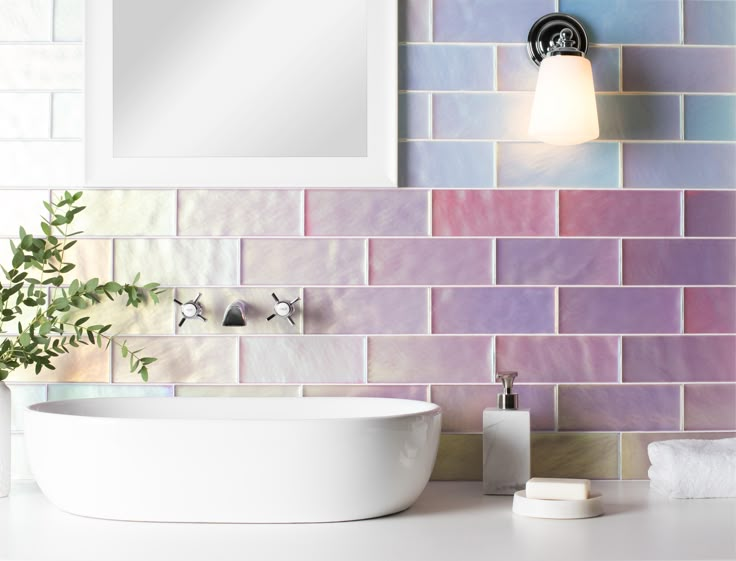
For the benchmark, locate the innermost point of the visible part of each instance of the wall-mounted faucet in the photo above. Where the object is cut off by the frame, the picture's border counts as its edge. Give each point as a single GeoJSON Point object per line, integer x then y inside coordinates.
{"type": "Point", "coordinates": [235, 315]}
{"type": "Point", "coordinates": [283, 308]}
{"type": "Point", "coordinates": [191, 309]}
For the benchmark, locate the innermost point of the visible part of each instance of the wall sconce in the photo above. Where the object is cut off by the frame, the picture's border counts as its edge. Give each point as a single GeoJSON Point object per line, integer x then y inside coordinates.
{"type": "Point", "coordinates": [564, 110]}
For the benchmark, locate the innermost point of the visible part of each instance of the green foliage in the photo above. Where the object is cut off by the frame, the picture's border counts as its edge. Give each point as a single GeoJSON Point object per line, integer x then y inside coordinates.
{"type": "Point", "coordinates": [36, 288]}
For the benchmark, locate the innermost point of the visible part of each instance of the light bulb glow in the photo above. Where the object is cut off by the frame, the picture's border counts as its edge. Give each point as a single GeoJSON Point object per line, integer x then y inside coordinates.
{"type": "Point", "coordinates": [564, 110]}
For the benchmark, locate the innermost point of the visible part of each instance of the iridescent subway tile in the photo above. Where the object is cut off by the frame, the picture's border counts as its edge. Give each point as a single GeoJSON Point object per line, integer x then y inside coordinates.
{"type": "Point", "coordinates": [369, 310]}
{"type": "Point", "coordinates": [445, 67]}
{"type": "Point", "coordinates": [710, 117]}
{"type": "Point", "coordinates": [390, 212]}
{"type": "Point", "coordinates": [93, 259]}
{"type": "Point", "coordinates": [497, 21]}
{"type": "Point", "coordinates": [618, 407]}
{"type": "Point", "coordinates": [493, 213]}
{"type": "Point", "coordinates": [674, 166]}
{"type": "Point", "coordinates": [446, 164]}
{"type": "Point", "coordinates": [303, 261]}
{"type": "Point", "coordinates": [522, 164]}
{"type": "Point", "coordinates": [639, 117]}
{"type": "Point", "coordinates": [710, 310]}
{"type": "Point", "coordinates": [240, 390]}
{"type": "Point", "coordinates": [414, 20]}
{"type": "Point", "coordinates": [679, 262]}
{"type": "Point", "coordinates": [710, 22]}
{"type": "Point", "coordinates": [300, 359]}
{"type": "Point", "coordinates": [430, 261]}
{"type": "Point", "coordinates": [619, 213]}
{"type": "Point", "coordinates": [583, 455]}
{"type": "Point", "coordinates": [559, 359]}
{"type": "Point", "coordinates": [493, 310]}
{"type": "Point", "coordinates": [619, 310]}
{"type": "Point", "coordinates": [429, 359]}
{"type": "Point", "coordinates": [462, 406]}
{"type": "Point", "coordinates": [459, 458]}
{"type": "Point", "coordinates": [404, 391]}
{"type": "Point", "coordinates": [414, 115]}
{"type": "Point", "coordinates": [21, 396]}
{"type": "Point", "coordinates": [81, 391]}
{"type": "Point", "coordinates": [495, 116]}
{"type": "Point", "coordinates": [627, 21]}
{"type": "Point", "coordinates": [710, 407]}
{"type": "Point", "coordinates": [555, 261]}
{"type": "Point", "coordinates": [86, 364]}
{"type": "Point", "coordinates": [694, 358]}
{"type": "Point", "coordinates": [710, 213]}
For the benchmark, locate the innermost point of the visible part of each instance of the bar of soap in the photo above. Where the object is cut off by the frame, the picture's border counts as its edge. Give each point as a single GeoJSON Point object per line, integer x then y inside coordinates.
{"type": "Point", "coordinates": [557, 489]}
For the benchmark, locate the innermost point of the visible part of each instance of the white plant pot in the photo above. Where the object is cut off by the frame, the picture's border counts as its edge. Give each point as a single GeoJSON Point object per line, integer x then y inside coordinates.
{"type": "Point", "coordinates": [4, 440]}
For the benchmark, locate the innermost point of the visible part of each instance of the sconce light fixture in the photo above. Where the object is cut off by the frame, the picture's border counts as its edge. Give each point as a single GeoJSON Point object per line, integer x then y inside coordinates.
{"type": "Point", "coordinates": [564, 110]}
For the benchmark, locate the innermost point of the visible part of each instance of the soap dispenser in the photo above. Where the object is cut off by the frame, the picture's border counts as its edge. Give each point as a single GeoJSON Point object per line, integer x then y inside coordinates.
{"type": "Point", "coordinates": [506, 442]}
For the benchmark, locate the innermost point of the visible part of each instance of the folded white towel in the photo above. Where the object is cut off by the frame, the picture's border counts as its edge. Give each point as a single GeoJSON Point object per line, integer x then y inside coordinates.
{"type": "Point", "coordinates": [693, 469]}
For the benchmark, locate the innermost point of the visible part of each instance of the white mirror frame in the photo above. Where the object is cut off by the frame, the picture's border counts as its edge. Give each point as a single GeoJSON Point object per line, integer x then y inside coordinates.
{"type": "Point", "coordinates": [378, 169]}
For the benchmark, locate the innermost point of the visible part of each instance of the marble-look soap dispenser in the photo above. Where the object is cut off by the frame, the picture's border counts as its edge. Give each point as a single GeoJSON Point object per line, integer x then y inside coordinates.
{"type": "Point", "coordinates": [506, 442]}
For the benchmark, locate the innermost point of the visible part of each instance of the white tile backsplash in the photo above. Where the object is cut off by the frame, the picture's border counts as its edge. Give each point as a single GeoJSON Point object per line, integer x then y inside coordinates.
{"type": "Point", "coordinates": [41, 67]}
{"type": "Point", "coordinates": [68, 20]}
{"type": "Point", "coordinates": [20, 208]}
{"type": "Point", "coordinates": [41, 163]}
{"type": "Point", "coordinates": [68, 115]}
{"type": "Point", "coordinates": [25, 20]}
{"type": "Point", "coordinates": [25, 115]}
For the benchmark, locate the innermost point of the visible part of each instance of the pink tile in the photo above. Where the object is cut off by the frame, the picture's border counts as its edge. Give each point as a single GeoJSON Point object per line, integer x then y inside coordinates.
{"type": "Point", "coordinates": [618, 407]}
{"type": "Point", "coordinates": [619, 213]}
{"type": "Point", "coordinates": [493, 213]}
{"type": "Point", "coordinates": [619, 310]}
{"type": "Point", "coordinates": [379, 212]}
{"type": "Point", "coordinates": [429, 359]}
{"type": "Point", "coordinates": [710, 407]}
{"type": "Point", "coordinates": [416, 392]}
{"type": "Point", "coordinates": [710, 310]}
{"type": "Point", "coordinates": [694, 358]}
{"type": "Point", "coordinates": [559, 358]}
{"type": "Point", "coordinates": [430, 261]}
{"type": "Point", "coordinates": [366, 310]}
{"type": "Point", "coordinates": [710, 213]}
{"type": "Point", "coordinates": [680, 262]}
{"type": "Point", "coordinates": [299, 359]}
{"type": "Point", "coordinates": [554, 261]}
{"type": "Point", "coordinates": [493, 310]}
{"type": "Point", "coordinates": [462, 406]}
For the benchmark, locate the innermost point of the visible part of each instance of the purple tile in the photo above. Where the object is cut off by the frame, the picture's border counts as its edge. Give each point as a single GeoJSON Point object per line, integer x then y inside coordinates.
{"type": "Point", "coordinates": [462, 406]}
{"type": "Point", "coordinates": [679, 262]}
{"type": "Point", "coordinates": [446, 164]}
{"type": "Point", "coordinates": [710, 310]}
{"type": "Point", "coordinates": [694, 358]}
{"type": "Point", "coordinates": [430, 261]}
{"type": "Point", "coordinates": [691, 165]}
{"type": "Point", "coordinates": [491, 21]}
{"type": "Point", "coordinates": [493, 213]}
{"type": "Point", "coordinates": [559, 359]}
{"type": "Point", "coordinates": [446, 67]}
{"type": "Point", "coordinates": [618, 407]}
{"type": "Point", "coordinates": [429, 359]}
{"type": "Point", "coordinates": [496, 116]}
{"type": "Point", "coordinates": [710, 213]}
{"type": "Point", "coordinates": [414, 115]}
{"type": "Point", "coordinates": [365, 310]}
{"type": "Point", "coordinates": [414, 23]}
{"type": "Point", "coordinates": [679, 69]}
{"type": "Point", "coordinates": [555, 261]}
{"type": "Point", "coordinates": [303, 261]}
{"type": "Point", "coordinates": [619, 310]}
{"type": "Point", "coordinates": [391, 212]}
{"type": "Point", "coordinates": [299, 359]}
{"type": "Point", "coordinates": [710, 407]}
{"type": "Point", "coordinates": [710, 22]}
{"type": "Point", "coordinates": [493, 310]}
{"type": "Point", "coordinates": [619, 213]}
{"type": "Point", "coordinates": [638, 117]}
{"type": "Point", "coordinates": [403, 391]}
{"type": "Point", "coordinates": [517, 73]}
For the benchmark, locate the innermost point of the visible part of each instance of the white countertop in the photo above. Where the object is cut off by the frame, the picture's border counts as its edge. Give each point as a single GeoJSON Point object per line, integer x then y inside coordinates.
{"type": "Point", "coordinates": [451, 521]}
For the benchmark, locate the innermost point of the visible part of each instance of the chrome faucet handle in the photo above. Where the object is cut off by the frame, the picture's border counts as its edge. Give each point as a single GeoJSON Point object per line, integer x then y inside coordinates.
{"type": "Point", "coordinates": [191, 309]}
{"type": "Point", "coordinates": [283, 309]}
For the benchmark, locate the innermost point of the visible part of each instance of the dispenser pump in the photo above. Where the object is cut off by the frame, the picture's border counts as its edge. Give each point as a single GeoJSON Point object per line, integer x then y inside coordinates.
{"type": "Point", "coordinates": [507, 399]}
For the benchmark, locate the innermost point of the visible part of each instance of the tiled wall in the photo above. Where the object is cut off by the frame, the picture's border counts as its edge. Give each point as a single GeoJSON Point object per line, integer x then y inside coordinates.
{"type": "Point", "coordinates": [603, 272]}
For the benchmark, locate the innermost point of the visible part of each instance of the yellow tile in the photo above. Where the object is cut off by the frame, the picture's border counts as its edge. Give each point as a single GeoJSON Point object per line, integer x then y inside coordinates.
{"type": "Point", "coordinates": [460, 457]}
{"type": "Point", "coordinates": [577, 455]}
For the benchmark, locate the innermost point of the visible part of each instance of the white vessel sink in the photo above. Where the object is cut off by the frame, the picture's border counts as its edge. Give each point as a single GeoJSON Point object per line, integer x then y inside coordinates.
{"type": "Point", "coordinates": [233, 459]}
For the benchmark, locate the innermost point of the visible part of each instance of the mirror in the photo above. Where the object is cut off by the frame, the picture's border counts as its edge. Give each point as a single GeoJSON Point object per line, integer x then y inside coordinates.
{"type": "Point", "coordinates": [241, 93]}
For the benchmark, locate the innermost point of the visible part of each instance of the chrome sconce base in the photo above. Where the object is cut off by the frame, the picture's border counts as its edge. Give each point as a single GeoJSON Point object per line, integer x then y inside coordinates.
{"type": "Point", "coordinates": [547, 36]}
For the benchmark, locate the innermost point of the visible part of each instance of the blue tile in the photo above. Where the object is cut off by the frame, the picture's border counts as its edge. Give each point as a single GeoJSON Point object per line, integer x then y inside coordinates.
{"type": "Point", "coordinates": [639, 117]}
{"type": "Point", "coordinates": [77, 391]}
{"type": "Point", "coordinates": [446, 164]}
{"type": "Point", "coordinates": [517, 73]}
{"type": "Point", "coordinates": [506, 21]}
{"type": "Point", "coordinates": [710, 117]}
{"type": "Point", "coordinates": [445, 67]}
{"type": "Point", "coordinates": [627, 21]}
{"type": "Point", "coordinates": [499, 116]}
{"type": "Point", "coordinates": [414, 115]}
{"type": "Point", "coordinates": [591, 165]}
{"type": "Point", "coordinates": [710, 22]}
{"type": "Point", "coordinates": [414, 24]}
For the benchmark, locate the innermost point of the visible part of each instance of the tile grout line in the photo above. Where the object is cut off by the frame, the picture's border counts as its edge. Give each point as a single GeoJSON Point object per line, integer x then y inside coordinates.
{"type": "Point", "coordinates": [431, 21]}
{"type": "Point", "coordinates": [681, 21]}
{"type": "Point", "coordinates": [682, 407]}
{"type": "Point", "coordinates": [53, 21]}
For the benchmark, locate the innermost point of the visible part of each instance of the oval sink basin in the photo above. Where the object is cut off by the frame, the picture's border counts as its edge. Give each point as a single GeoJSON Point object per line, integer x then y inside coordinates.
{"type": "Point", "coordinates": [232, 459]}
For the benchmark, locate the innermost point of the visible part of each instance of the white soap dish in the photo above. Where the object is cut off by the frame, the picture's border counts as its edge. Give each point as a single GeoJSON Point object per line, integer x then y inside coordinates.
{"type": "Point", "coordinates": [562, 510]}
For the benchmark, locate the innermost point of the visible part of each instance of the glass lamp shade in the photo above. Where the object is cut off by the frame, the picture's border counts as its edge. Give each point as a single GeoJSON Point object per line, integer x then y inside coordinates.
{"type": "Point", "coordinates": [564, 110]}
